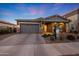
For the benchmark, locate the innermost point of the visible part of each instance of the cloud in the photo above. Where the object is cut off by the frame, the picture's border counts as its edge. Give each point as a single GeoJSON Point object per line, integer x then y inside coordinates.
{"type": "Point", "coordinates": [34, 11]}
{"type": "Point", "coordinates": [31, 10]}
{"type": "Point", "coordinates": [41, 12]}
{"type": "Point", "coordinates": [6, 13]}
{"type": "Point", "coordinates": [20, 7]}
{"type": "Point", "coordinates": [58, 4]}
{"type": "Point", "coordinates": [56, 8]}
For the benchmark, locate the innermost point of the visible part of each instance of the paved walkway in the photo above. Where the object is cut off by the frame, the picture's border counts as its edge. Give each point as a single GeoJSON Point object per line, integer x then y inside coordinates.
{"type": "Point", "coordinates": [35, 45]}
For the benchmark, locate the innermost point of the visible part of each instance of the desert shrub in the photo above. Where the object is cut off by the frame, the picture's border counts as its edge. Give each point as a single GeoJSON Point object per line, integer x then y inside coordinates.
{"type": "Point", "coordinates": [71, 37]}
{"type": "Point", "coordinates": [14, 30]}
{"type": "Point", "coordinates": [78, 37]}
{"type": "Point", "coordinates": [75, 32]}
{"type": "Point", "coordinates": [52, 38]}
{"type": "Point", "coordinates": [46, 35]}
{"type": "Point", "coordinates": [5, 31]}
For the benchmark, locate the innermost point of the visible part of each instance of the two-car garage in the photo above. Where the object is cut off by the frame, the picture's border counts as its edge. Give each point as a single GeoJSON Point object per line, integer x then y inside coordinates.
{"type": "Point", "coordinates": [29, 28]}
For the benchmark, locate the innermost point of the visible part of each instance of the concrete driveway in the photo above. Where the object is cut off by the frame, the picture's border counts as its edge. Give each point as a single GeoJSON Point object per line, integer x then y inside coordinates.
{"type": "Point", "coordinates": [35, 45]}
{"type": "Point", "coordinates": [20, 44]}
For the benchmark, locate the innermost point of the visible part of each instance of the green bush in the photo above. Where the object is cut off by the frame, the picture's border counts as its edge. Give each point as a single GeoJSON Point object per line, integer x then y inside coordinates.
{"type": "Point", "coordinates": [5, 31]}
{"type": "Point", "coordinates": [45, 35]}
{"type": "Point", "coordinates": [78, 37]}
{"type": "Point", "coordinates": [71, 37]}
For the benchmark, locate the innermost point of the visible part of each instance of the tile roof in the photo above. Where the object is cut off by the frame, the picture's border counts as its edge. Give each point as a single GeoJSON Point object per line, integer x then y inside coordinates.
{"type": "Point", "coordinates": [5, 22]}
{"type": "Point", "coordinates": [71, 13]}
{"type": "Point", "coordinates": [50, 18]}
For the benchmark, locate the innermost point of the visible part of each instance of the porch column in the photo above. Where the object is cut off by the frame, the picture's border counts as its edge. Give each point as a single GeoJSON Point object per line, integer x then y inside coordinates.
{"type": "Point", "coordinates": [67, 27]}
{"type": "Point", "coordinates": [43, 28]}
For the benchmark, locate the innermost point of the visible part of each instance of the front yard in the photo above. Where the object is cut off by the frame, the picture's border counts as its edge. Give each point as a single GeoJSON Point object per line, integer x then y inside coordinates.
{"type": "Point", "coordinates": [64, 38]}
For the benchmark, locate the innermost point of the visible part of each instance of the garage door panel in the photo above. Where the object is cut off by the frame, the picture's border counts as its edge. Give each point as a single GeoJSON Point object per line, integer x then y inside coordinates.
{"type": "Point", "coordinates": [30, 28]}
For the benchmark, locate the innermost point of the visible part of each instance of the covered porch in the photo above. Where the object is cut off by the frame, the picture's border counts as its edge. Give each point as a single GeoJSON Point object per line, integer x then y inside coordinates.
{"type": "Point", "coordinates": [50, 27]}
{"type": "Point", "coordinates": [55, 23]}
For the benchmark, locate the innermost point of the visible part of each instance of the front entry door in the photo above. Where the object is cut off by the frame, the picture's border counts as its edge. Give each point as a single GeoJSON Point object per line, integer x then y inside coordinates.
{"type": "Point", "coordinates": [56, 30]}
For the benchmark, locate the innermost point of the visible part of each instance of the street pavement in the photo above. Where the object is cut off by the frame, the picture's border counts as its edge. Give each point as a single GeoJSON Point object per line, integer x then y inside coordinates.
{"type": "Point", "coordinates": [35, 45]}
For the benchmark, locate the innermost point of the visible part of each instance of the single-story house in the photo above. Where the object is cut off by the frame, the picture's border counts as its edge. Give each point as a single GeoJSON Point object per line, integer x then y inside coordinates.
{"type": "Point", "coordinates": [7, 25]}
{"type": "Point", "coordinates": [48, 24]}
{"type": "Point", "coordinates": [43, 25]}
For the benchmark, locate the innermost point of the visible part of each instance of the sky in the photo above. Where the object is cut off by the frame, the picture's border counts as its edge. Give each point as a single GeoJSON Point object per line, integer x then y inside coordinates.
{"type": "Point", "coordinates": [11, 11]}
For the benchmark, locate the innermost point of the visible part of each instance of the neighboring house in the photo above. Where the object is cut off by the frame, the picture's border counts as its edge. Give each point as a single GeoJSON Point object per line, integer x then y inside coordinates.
{"type": "Point", "coordinates": [5, 25]}
{"type": "Point", "coordinates": [43, 25]}
{"type": "Point", "coordinates": [74, 17]}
